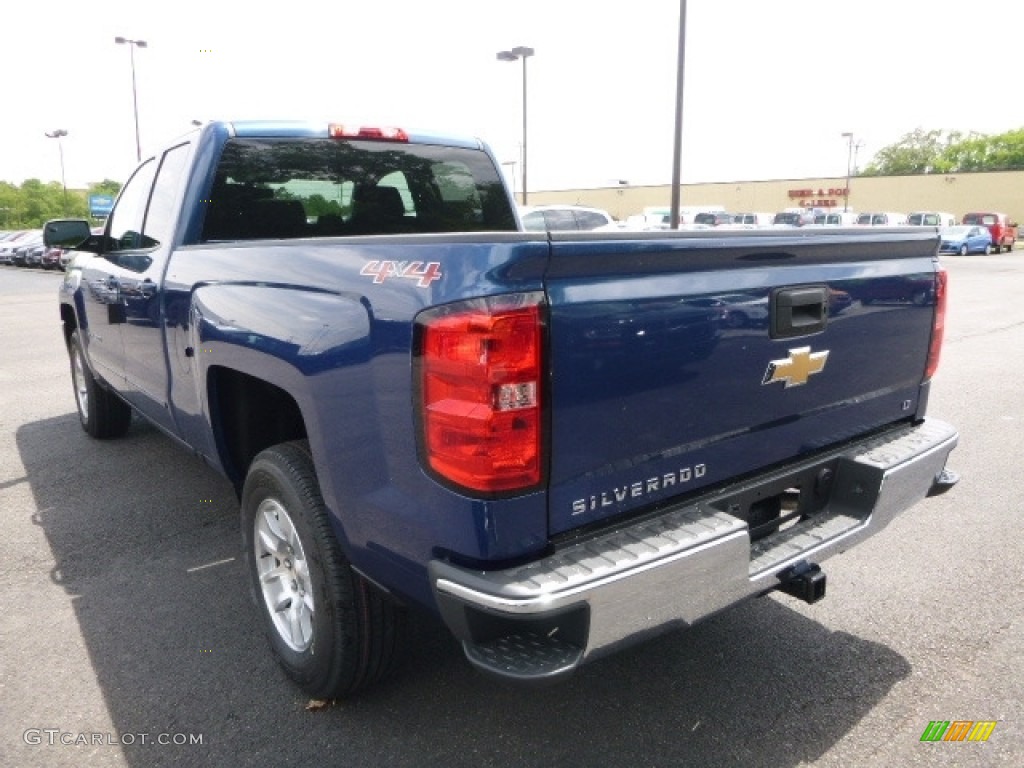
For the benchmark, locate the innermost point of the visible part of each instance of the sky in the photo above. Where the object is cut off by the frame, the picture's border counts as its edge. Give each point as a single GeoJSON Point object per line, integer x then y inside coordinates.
{"type": "Point", "coordinates": [770, 85]}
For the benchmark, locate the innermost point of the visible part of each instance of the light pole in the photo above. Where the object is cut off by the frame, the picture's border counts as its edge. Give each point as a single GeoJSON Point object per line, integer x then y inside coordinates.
{"type": "Point", "coordinates": [520, 52]}
{"type": "Point", "coordinates": [132, 45]}
{"type": "Point", "coordinates": [677, 143]}
{"type": "Point", "coordinates": [58, 135]}
{"type": "Point", "coordinates": [849, 164]}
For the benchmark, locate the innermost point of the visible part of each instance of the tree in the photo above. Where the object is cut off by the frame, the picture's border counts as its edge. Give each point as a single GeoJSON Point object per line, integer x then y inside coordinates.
{"type": "Point", "coordinates": [919, 151]}
{"type": "Point", "coordinates": [33, 203]}
{"type": "Point", "coordinates": [940, 151]}
{"type": "Point", "coordinates": [105, 187]}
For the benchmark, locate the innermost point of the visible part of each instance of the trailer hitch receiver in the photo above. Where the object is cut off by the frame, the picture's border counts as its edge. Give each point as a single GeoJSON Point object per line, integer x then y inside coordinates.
{"type": "Point", "coordinates": [803, 580]}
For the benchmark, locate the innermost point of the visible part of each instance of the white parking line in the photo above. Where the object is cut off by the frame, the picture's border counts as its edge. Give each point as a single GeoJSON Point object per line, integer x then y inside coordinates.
{"type": "Point", "coordinates": [209, 565]}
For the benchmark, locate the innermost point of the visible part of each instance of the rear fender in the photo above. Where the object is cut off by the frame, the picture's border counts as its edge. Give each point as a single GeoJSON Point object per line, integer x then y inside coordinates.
{"type": "Point", "coordinates": [313, 346]}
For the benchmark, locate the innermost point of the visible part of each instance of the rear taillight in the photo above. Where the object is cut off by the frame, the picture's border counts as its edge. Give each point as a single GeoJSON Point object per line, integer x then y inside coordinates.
{"type": "Point", "coordinates": [479, 370]}
{"type": "Point", "coordinates": [939, 326]}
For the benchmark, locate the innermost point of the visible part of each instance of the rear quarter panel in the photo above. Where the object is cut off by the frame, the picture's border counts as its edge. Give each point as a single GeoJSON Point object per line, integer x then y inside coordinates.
{"type": "Point", "coordinates": [307, 316]}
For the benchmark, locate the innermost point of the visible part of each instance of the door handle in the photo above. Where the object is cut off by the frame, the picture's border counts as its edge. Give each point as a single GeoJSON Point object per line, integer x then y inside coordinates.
{"type": "Point", "coordinates": [799, 311]}
{"type": "Point", "coordinates": [147, 288]}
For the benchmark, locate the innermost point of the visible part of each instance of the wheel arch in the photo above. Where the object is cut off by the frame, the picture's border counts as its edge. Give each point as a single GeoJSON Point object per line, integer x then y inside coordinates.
{"type": "Point", "coordinates": [249, 414]}
{"type": "Point", "coordinates": [69, 322]}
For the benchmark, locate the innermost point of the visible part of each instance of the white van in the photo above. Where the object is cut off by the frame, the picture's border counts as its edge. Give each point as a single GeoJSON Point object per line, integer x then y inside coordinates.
{"type": "Point", "coordinates": [686, 212]}
{"type": "Point", "coordinates": [882, 219]}
{"type": "Point", "coordinates": [835, 219]}
{"type": "Point", "coordinates": [931, 219]}
{"type": "Point", "coordinates": [752, 220]}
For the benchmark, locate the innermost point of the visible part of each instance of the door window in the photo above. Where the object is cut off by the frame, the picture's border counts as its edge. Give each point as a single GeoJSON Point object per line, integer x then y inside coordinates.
{"type": "Point", "coordinates": [125, 227]}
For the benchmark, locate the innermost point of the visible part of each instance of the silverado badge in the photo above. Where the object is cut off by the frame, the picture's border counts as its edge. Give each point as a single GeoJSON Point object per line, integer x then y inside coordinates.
{"type": "Point", "coordinates": [797, 368]}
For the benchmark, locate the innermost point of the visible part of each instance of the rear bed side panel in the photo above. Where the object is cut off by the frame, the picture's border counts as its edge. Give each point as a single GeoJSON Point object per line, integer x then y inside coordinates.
{"type": "Point", "coordinates": [304, 316]}
{"type": "Point", "coordinates": [658, 389]}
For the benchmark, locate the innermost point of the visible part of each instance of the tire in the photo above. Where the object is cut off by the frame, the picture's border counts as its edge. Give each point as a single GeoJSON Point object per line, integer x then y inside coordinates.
{"type": "Point", "coordinates": [103, 414]}
{"type": "Point", "coordinates": [332, 632]}
{"type": "Point", "coordinates": [988, 249]}
{"type": "Point", "coordinates": [963, 249]}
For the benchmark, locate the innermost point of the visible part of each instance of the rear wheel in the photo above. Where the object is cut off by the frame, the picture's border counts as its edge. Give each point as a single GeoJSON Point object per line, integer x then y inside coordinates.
{"type": "Point", "coordinates": [102, 413]}
{"type": "Point", "coordinates": [332, 632]}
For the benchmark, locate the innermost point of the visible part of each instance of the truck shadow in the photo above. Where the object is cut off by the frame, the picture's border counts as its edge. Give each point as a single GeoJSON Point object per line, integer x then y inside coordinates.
{"type": "Point", "coordinates": [144, 541]}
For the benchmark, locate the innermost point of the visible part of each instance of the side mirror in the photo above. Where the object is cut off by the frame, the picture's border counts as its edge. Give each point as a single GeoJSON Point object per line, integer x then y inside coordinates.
{"type": "Point", "coordinates": [66, 233]}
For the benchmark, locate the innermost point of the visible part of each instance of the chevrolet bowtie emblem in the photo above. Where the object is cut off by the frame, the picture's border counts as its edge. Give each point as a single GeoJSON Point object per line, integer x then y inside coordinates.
{"type": "Point", "coordinates": [797, 368]}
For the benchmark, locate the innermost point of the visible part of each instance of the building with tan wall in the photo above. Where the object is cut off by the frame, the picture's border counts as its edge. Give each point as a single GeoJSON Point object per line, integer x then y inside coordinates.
{"type": "Point", "coordinates": [957, 193]}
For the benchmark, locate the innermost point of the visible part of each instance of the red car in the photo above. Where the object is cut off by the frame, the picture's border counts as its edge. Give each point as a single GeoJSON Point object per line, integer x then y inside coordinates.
{"type": "Point", "coordinates": [52, 258]}
{"type": "Point", "coordinates": [1004, 231]}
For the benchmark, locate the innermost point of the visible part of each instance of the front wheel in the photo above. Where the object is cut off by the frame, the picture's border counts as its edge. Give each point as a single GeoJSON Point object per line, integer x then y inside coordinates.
{"type": "Point", "coordinates": [332, 632]}
{"type": "Point", "coordinates": [102, 413]}
{"type": "Point", "coordinates": [963, 249]}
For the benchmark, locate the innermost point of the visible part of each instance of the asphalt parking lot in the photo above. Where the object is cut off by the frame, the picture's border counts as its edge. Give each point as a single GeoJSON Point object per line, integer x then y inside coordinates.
{"type": "Point", "coordinates": [129, 639]}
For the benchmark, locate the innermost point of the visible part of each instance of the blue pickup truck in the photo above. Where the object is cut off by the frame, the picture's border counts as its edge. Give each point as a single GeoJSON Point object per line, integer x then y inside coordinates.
{"type": "Point", "coordinates": [557, 443]}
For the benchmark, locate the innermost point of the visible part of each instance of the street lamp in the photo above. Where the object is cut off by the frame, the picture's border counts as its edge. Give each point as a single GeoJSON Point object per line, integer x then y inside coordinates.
{"type": "Point", "coordinates": [132, 45]}
{"type": "Point", "coordinates": [677, 142]}
{"type": "Point", "coordinates": [58, 135]}
{"type": "Point", "coordinates": [849, 164]}
{"type": "Point", "coordinates": [520, 52]}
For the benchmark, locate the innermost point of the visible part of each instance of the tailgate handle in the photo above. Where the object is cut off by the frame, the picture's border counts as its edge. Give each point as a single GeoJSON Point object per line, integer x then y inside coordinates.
{"type": "Point", "coordinates": [799, 311]}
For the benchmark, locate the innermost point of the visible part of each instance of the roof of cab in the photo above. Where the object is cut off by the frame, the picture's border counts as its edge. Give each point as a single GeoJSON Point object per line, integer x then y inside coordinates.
{"type": "Point", "coordinates": [291, 129]}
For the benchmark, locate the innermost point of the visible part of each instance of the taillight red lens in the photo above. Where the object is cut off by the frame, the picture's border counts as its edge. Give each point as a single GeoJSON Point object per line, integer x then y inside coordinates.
{"type": "Point", "coordinates": [939, 327]}
{"type": "Point", "coordinates": [480, 387]}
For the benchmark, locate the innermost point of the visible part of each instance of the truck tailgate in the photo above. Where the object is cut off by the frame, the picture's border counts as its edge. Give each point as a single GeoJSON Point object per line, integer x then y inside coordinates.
{"type": "Point", "coordinates": [682, 361]}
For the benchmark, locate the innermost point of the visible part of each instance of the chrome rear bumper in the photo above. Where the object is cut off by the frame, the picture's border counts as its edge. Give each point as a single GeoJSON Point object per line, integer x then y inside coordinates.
{"type": "Point", "coordinates": [544, 618]}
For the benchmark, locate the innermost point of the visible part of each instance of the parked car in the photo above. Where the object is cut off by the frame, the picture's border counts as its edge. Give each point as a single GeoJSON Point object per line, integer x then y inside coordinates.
{"type": "Point", "coordinates": [713, 218]}
{"type": "Point", "coordinates": [642, 222]}
{"type": "Point", "coordinates": [34, 253]}
{"type": "Point", "coordinates": [554, 218]}
{"type": "Point", "coordinates": [965, 239]}
{"type": "Point", "coordinates": [24, 245]}
{"type": "Point", "coordinates": [793, 218]}
{"type": "Point", "coordinates": [752, 220]}
{"type": "Point", "coordinates": [835, 219]}
{"type": "Point", "coordinates": [931, 219]}
{"type": "Point", "coordinates": [1003, 231]}
{"type": "Point", "coordinates": [882, 219]}
{"type": "Point", "coordinates": [9, 246]}
{"type": "Point", "coordinates": [52, 258]}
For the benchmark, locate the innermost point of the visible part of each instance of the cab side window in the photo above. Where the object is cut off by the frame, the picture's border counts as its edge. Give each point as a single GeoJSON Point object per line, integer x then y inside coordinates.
{"type": "Point", "coordinates": [125, 227]}
{"type": "Point", "coordinates": [163, 204]}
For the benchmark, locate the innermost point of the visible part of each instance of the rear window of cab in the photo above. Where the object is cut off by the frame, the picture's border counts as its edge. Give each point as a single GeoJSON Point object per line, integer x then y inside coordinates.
{"type": "Point", "coordinates": [287, 188]}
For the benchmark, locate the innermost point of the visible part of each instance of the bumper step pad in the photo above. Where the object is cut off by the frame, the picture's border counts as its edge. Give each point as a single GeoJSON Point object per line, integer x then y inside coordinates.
{"type": "Point", "coordinates": [525, 656]}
